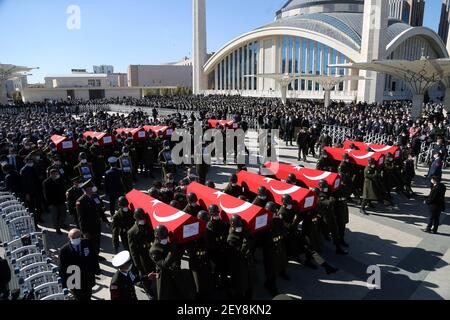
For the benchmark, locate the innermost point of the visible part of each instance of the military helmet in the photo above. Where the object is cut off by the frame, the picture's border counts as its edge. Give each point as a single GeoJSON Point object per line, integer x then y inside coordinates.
{"type": "Point", "coordinates": [125, 149]}
{"type": "Point", "coordinates": [123, 202]}
{"type": "Point", "coordinates": [371, 161]}
{"type": "Point", "coordinates": [192, 197]}
{"type": "Point", "coordinates": [166, 144]}
{"type": "Point", "coordinates": [234, 178]}
{"type": "Point", "coordinates": [292, 178]}
{"type": "Point", "coordinates": [262, 191]}
{"type": "Point", "coordinates": [345, 156]}
{"type": "Point", "coordinates": [203, 215]}
{"type": "Point", "coordinates": [174, 203]}
{"type": "Point", "coordinates": [236, 221]}
{"type": "Point", "coordinates": [323, 184]}
{"type": "Point", "coordinates": [82, 156]}
{"type": "Point", "coordinates": [316, 190]}
{"type": "Point", "coordinates": [139, 214]}
{"type": "Point", "coordinates": [153, 192]}
{"type": "Point", "coordinates": [214, 210]}
{"type": "Point", "coordinates": [210, 184]}
{"type": "Point", "coordinates": [161, 232]}
{"type": "Point", "coordinates": [287, 199]}
{"type": "Point", "coordinates": [271, 207]}
{"type": "Point", "coordinates": [243, 198]}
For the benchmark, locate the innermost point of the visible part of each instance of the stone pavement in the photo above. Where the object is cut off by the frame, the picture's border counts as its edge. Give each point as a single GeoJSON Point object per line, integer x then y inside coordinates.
{"type": "Point", "coordinates": [414, 264]}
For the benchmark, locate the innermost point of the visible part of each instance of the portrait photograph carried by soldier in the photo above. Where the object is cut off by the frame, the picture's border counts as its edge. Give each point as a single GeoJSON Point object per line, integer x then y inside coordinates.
{"type": "Point", "coordinates": [208, 159]}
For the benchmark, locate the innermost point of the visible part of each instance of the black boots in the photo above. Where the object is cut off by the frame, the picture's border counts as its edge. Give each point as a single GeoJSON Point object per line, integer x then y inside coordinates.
{"type": "Point", "coordinates": [329, 269]}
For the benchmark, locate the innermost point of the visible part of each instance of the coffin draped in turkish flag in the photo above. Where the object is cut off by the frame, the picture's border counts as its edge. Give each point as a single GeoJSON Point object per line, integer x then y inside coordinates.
{"type": "Point", "coordinates": [255, 218]}
{"type": "Point", "coordinates": [383, 149]}
{"type": "Point", "coordinates": [230, 124]}
{"type": "Point", "coordinates": [306, 176]}
{"type": "Point", "coordinates": [137, 133]}
{"type": "Point", "coordinates": [104, 139]}
{"type": "Point", "coordinates": [356, 156]}
{"type": "Point", "coordinates": [304, 199]}
{"type": "Point", "coordinates": [182, 226]}
{"type": "Point", "coordinates": [156, 130]}
{"type": "Point", "coordinates": [64, 144]}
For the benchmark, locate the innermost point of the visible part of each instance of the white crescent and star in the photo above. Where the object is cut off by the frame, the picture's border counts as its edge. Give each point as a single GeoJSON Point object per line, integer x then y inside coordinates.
{"type": "Point", "coordinates": [240, 209]}
{"type": "Point", "coordinates": [368, 155]}
{"type": "Point", "coordinates": [170, 218]}
{"type": "Point", "coordinates": [317, 178]}
{"type": "Point", "coordinates": [287, 191]}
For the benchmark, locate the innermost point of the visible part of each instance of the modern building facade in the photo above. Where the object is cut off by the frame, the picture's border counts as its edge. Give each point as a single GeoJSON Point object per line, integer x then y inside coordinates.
{"type": "Point", "coordinates": [408, 11]}
{"type": "Point", "coordinates": [306, 37]}
{"type": "Point", "coordinates": [444, 21]}
{"type": "Point", "coordinates": [166, 75]}
{"type": "Point", "coordinates": [104, 69]}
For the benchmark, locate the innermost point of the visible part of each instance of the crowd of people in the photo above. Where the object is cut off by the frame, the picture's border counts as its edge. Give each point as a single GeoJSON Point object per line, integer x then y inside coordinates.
{"type": "Point", "coordinates": [223, 260]}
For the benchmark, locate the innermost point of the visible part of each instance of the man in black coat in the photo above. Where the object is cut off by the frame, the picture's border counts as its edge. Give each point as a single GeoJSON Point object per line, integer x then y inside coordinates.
{"type": "Point", "coordinates": [114, 187]}
{"type": "Point", "coordinates": [436, 204]}
{"type": "Point", "coordinates": [78, 252]}
{"type": "Point", "coordinates": [32, 189]}
{"type": "Point", "coordinates": [5, 278]}
{"type": "Point", "coordinates": [55, 196]}
{"type": "Point", "coordinates": [13, 181]}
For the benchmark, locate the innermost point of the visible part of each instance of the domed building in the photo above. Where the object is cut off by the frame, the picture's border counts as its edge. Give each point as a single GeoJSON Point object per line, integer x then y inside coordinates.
{"type": "Point", "coordinates": [306, 37]}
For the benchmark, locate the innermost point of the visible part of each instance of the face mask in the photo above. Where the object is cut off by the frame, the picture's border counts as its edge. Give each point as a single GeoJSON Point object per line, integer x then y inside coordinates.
{"type": "Point", "coordinates": [238, 229]}
{"type": "Point", "coordinates": [30, 164]}
{"type": "Point", "coordinates": [125, 209]}
{"type": "Point", "coordinates": [129, 268]}
{"type": "Point", "coordinates": [234, 184]}
{"type": "Point", "coordinates": [164, 241]}
{"type": "Point", "coordinates": [289, 206]}
{"type": "Point", "coordinates": [170, 181]}
{"type": "Point", "coordinates": [372, 166]}
{"type": "Point", "coordinates": [141, 222]}
{"type": "Point", "coordinates": [56, 177]}
{"type": "Point", "coordinates": [216, 218]}
{"type": "Point", "coordinates": [54, 149]}
{"type": "Point", "coordinates": [83, 161]}
{"type": "Point", "coordinates": [193, 204]}
{"type": "Point", "coordinates": [263, 197]}
{"type": "Point", "coordinates": [126, 154]}
{"type": "Point", "coordinates": [75, 242]}
{"type": "Point", "coordinates": [94, 189]}
{"type": "Point", "coordinates": [325, 157]}
{"type": "Point", "coordinates": [325, 190]}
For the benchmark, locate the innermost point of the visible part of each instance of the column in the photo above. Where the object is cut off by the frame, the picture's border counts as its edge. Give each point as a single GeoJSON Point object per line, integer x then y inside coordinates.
{"type": "Point", "coordinates": [375, 22]}
{"type": "Point", "coordinates": [300, 61]}
{"type": "Point", "coordinates": [199, 81]}
{"type": "Point", "coordinates": [216, 78]}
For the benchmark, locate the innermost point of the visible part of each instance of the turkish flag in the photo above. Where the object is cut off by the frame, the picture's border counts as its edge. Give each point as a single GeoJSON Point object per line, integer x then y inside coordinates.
{"type": "Point", "coordinates": [156, 130]}
{"type": "Point", "coordinates": [64, 144]}
{"type": "Point", "coordinates": [304, 199]}
{"type": "Point", "coordinates": [255, 218]}
{"type": "Point", "coordinates": [230, 124]}
{"type": "Point", "coordinates": [383, 149]}
{"type": "Point", "coordinates": [361, 158]}
{"type": "Point", "coordinates": [137, 133]}
{"type": "Point", "coordinates": [104, 139]}
{"type": "Point", "coordinates": [182, 226]}
{"type": "Point", "coordinates": [306, 176]}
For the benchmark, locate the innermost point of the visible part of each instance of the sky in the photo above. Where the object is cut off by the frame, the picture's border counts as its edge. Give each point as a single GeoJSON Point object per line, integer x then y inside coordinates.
{"type": "Point", "coordinates": [37, 33]}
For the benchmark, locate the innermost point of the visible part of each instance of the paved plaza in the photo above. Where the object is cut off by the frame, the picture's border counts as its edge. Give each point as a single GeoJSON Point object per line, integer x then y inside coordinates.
{"type": "Point", "coordinates": [414, 264]}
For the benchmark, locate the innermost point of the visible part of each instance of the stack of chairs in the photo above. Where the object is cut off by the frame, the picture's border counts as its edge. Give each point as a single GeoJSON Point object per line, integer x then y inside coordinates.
{"type": "Point", "coordinates": [34, 275]}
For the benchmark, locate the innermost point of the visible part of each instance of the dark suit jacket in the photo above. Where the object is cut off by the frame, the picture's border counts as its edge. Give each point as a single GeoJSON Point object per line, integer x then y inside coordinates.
{"type": "Point", "coordinates": [86, 261]}
{"type": "Point", "coordinates": [113, 183]}
{"type": "Point", "coordinates": [436, 199]}
{"type": "Point", "coordinates": [436, 168]}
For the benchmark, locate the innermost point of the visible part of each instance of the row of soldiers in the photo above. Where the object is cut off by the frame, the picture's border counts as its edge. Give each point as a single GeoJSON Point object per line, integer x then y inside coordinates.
{"type": "Point", "coordinates": [224, 257]}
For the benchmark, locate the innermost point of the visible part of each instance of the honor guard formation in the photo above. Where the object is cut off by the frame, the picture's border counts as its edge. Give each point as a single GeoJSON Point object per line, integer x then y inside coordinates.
{"type": "Point", "coordinates": [91, 192]}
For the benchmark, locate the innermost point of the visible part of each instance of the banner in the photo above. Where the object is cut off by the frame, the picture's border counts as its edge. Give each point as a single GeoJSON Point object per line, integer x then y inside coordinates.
{"type": "Point", "coordinates": [182, 226]}
{"type": "Point", "coordinates": [304, 199]}
{"type": "Point", "coordinates": [308, 177]}
{"type": "Point", "coordinates": [255, 218]}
